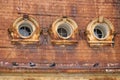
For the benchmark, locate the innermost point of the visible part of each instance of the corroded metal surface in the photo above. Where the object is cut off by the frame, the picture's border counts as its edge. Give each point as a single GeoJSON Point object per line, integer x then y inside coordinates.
{"type": "Point", "coordinates": [79, 57]}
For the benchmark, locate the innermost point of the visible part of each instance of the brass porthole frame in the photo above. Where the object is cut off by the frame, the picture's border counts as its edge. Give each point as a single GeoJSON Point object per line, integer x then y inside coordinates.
{"type": "Point", "coordinates": [71, 39]}
{"type": "Point", "coordinates": [27, 22]}
{"type": "Point", "coordinates": [93, 40]}
{"type": "Point", "coordinates": [16, 37]}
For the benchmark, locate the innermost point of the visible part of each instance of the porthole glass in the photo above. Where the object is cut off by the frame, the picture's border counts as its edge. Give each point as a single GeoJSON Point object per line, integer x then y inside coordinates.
{"type": "Point", "coordinates": [98, 33]}
{"type": "Point", "coordinates": [64, 30]}
{"type": "Point", "coordinates": [25, 30]}
{"type": "Point", "coordinates": [101, 31]}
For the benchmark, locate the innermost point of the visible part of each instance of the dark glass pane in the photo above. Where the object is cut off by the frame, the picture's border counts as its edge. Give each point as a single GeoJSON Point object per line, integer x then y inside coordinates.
{"type": "Point", "coordinates": [100, 36]}
{"type": "Point", "coordinates": [25, 31]}
{"type": "Point", "coordinates": [62, 32]}
{"type": "Point", "coordinates": [98, 33]}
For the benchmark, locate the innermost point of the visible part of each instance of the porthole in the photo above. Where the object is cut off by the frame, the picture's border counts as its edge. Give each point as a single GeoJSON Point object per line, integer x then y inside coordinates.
{"type": "Point", "coordinates": [25, 30]}
{"type": "Point", "coordinates": [101, 31]}
{"type": "Point", "coordinates": [64, 30]}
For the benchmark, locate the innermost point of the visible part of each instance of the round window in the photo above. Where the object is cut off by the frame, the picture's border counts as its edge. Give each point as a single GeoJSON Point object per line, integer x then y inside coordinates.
{"type": "Point", "coordinates": [64, 30]}
{"type": "Point", "coordinates": [101, 31]}
{"type": "Point", "coordinates": [25, 30]}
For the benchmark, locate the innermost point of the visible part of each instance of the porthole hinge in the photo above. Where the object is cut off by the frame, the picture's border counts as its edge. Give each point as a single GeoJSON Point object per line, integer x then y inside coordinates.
{"type": "Point", "coordinates": [101, 19]}
{"type": "Point", "coordinates": [25, 17]}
